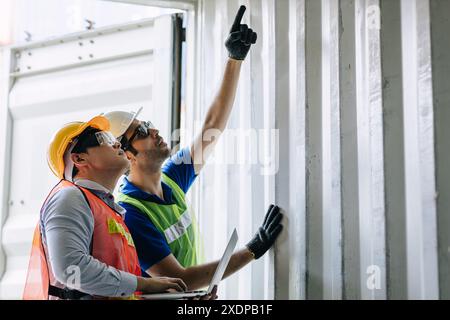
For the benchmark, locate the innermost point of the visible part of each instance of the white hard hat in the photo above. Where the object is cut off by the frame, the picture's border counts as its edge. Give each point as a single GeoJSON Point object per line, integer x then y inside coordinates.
{"type": "Point", "coordinates": [120, 121]}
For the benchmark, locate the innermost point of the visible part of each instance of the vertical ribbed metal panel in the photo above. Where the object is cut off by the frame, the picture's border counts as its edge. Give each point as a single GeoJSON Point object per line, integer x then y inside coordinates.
{"type": "Point", "coordinates": [361, 151]}
{"type": "Point", "coordinates": [349, 156]}
{"type": "Point", "coordinates": [297, 146]}
{"type": "Point", "coordinates": [440, 47]}
{"type": "Point", "coordinates": [394, 152]}
{"type": "Point", "coordinates": [420, 185]}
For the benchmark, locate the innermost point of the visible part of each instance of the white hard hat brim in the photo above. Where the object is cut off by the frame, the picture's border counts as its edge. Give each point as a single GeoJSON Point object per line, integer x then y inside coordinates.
{"type": "Point", "coordinates": [120, 121]}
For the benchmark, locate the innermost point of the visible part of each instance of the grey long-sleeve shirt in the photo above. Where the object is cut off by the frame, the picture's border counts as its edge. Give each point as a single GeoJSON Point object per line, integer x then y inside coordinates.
{"type": "Point", "coordinates": [67, 225]}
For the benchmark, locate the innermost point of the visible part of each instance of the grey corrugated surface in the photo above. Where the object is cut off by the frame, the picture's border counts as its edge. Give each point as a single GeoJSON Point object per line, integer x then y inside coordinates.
{"type": "Point", "coordinates": [356, 142]}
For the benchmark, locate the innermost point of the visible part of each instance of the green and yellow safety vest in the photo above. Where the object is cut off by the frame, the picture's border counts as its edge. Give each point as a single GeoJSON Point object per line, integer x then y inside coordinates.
{"type": "Point", "coordinates": [174, 221]}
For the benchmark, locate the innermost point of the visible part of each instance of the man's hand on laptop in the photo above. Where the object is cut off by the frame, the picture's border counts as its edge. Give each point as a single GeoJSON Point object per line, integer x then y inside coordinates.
{"type": "Point", "coordinates": [162, 284]}
{"type": "Point", "coordinates": [267, 233]}
{"type": "Point", "coordinates": [211, 296]}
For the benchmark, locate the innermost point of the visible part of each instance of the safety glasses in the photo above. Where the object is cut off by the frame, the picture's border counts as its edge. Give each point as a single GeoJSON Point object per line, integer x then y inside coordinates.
{"type": "Point", "coordinates": [105, 138]}
{"type": "Point", "coordinates": [94, 139]}
{"type": "Point", "coordinates": [141, 132]}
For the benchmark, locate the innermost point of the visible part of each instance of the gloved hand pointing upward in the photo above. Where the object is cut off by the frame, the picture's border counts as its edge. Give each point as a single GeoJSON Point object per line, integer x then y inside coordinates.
{"type": "Point", "coordinates": [267, 233]}
{"type": "Point", "coordinates": [240, 39]}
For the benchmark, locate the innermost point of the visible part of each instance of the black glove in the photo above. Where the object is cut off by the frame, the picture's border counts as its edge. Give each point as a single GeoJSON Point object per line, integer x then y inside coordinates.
{"type": "Point", "coordinates": [240, 38]}
{"type": "Point", "coordinates": [267, 233]}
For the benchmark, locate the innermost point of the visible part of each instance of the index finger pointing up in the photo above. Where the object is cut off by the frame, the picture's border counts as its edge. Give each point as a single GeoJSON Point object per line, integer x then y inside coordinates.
{"type": "Point", "coordinates": [238, 19]}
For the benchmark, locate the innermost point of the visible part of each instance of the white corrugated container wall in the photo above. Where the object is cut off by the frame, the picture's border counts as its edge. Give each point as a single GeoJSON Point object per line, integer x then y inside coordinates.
{"type": "Point", "coordinates": [358, 94]}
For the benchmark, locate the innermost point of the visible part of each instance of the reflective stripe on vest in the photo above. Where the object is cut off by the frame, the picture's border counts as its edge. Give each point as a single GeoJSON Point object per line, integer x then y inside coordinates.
{"type": "Point", "coordinates": [115, 227]}
{"type": "Point", "coordinates": [111, 244]}
{"type": "Point", "coordinates": [175, 231]}
{"type": "Point", "coordinates": [174, 221]}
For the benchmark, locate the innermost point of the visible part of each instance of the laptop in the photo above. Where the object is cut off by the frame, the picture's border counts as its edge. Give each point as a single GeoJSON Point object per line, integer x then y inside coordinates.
{"type": "Point", "coordinates": [217, 277]}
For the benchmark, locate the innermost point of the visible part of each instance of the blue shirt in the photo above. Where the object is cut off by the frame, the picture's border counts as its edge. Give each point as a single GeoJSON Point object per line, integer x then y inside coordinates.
{"type": "Point", "coordinates": [151, 245]}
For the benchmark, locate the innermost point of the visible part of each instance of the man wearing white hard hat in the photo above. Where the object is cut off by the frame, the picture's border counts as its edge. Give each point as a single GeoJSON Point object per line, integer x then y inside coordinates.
{"type": "Point", "coordinates": [153, 194]}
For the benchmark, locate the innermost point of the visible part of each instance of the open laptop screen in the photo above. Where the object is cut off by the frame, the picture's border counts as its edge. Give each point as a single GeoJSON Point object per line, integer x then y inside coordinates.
{"type": "Point", "coordinates": [223, 263]}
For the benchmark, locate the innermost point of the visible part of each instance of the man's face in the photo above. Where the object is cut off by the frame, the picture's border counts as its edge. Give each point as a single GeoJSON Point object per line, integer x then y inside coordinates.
{"type": "Point", "coordinates": [150, 146]}
{"type": "Point", "coordinates": [100, 152]}
{"type": "Point", "coordinates": [108, 158]}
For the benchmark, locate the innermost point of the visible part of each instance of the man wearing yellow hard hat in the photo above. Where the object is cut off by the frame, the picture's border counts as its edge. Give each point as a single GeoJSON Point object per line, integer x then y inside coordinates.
{"type": "Point", "coordinates": [153, 194]}
{"type": "Point", "coordinates": [82, 248]}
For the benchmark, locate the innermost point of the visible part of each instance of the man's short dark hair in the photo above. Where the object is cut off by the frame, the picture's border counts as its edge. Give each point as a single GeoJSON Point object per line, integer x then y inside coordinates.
{"type": "Point", "coordinates": [124, 142]}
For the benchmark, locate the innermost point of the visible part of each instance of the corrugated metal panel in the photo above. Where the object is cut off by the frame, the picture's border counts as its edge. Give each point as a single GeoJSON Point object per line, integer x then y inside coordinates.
{"type": "Point", "coordinates": [440, 24]}
{"type": "Point", "coordinates": [348, 85]}
{"type": "Point", "coordinates": [297, 156]}
{"type": "Point", "coordinates": [394, 157]}
{"type": "Point", "coordinates": [222, 204]}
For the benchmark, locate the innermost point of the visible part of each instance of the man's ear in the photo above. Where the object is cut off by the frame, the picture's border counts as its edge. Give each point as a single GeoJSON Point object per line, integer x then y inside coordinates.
{"type": "Point", "coordinates": [79, 159]}
{"type": "Point", "coordinates": [130, 155]}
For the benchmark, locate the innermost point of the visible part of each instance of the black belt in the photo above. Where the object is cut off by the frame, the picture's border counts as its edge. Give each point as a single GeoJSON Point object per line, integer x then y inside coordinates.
{"type": "Point", "coordinates": [66, 293]}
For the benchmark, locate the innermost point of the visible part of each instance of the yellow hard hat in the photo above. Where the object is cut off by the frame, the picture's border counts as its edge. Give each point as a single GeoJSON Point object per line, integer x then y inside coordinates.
{"type": "Point", "coordinates": [64, 137]}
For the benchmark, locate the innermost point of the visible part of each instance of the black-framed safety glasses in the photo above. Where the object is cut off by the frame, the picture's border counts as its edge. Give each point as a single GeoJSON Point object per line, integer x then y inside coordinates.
{"type": "Point", "coordinates": [142, 131]}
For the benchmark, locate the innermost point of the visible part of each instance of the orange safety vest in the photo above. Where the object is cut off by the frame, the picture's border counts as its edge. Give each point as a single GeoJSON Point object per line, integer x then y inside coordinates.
{"type": "Point", "coordinates": [111, 244]}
